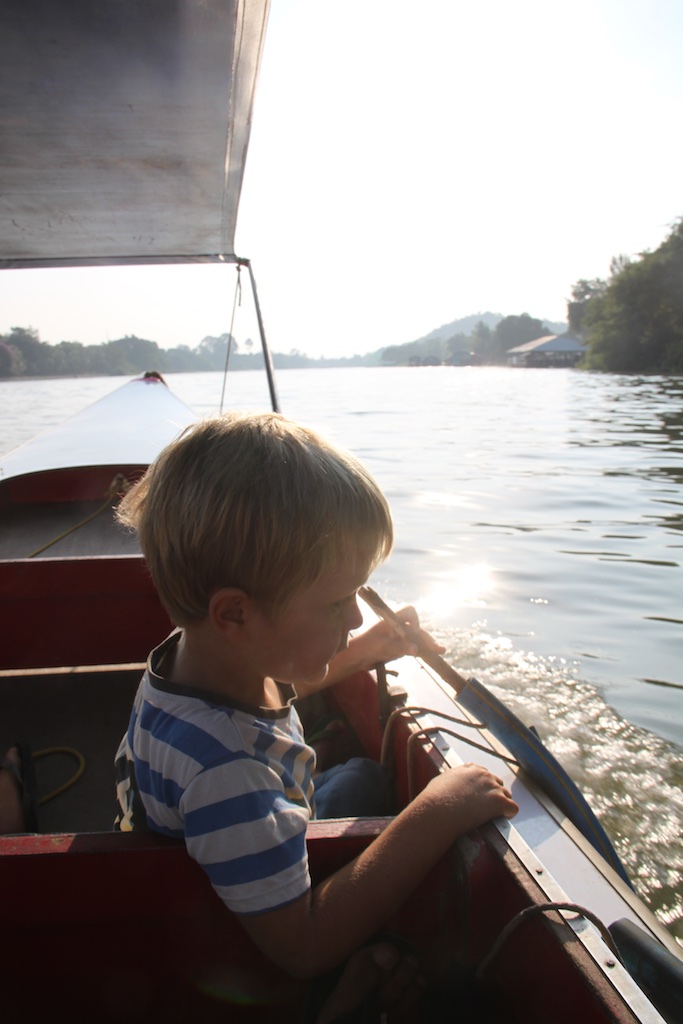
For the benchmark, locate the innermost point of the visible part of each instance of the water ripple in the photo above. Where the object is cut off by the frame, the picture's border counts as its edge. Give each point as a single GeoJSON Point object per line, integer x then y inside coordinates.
{"type": "Point", "coordinates": [632, 779]}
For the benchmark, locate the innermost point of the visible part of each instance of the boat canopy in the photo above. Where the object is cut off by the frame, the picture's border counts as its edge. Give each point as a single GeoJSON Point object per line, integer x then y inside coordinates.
{"type": "Point", "coordinates": [124, 126]}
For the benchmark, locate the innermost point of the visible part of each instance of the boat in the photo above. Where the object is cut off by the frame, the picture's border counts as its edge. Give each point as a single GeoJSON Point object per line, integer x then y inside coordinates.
{"type": "Point", "coordinates": [60, 546]}
{"type": "Point", "coordinates": [532, 919]}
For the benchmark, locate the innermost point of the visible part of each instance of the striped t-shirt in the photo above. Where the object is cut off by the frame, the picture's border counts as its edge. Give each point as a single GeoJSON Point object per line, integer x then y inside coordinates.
{"type": "Point", "coordinates": [235, 782]}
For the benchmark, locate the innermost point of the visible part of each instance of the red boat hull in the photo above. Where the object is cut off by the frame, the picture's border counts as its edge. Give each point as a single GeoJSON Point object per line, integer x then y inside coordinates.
{"type": "Point", "coordinates": [116, 926]}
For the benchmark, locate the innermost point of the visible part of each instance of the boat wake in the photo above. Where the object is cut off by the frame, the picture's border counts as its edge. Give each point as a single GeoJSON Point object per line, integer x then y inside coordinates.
{"type": "Point", "coordinates": [632, 779]}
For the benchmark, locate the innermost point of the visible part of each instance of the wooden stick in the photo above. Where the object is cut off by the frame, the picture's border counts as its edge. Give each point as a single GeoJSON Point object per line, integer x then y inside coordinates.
{"type": "Point", "coordinates": [431, 658]}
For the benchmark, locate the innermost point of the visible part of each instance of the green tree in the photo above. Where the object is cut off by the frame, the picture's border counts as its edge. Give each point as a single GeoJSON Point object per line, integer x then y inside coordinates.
{"type": "Point", "coordinates": [11, 360]}
{"type": "Point", "coordinates": [27, 342]}
{"type": "Point", "coordinates": [413, 352]}
{"type": "Point", "coordinates": [211, 352]}
{"type": "Point", "coordinates": [482, 341]}
{"type": "Point", "coordinates": [96, 360]}
{"type": "Point", "coordinates": [636, 324]}
{"type": "Point", "coordinates": [392, 354]}
{"type": "Point", "coordinates": [68, 358]}
{"type": "Point", "coordinates": [181, 359]}
{"type": "Point", "coordinates": [511, 331]}
{"type": "Point", "coordinates": [133, 355]}
{"type": "Point", "coordinates": [458, 343]}
{"type": "Point", "coordinates": [582, 293]}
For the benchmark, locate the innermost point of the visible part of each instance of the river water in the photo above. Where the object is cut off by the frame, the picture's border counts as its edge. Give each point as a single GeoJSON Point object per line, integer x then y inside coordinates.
{"type": "Point", "coordinates": [539, 530]}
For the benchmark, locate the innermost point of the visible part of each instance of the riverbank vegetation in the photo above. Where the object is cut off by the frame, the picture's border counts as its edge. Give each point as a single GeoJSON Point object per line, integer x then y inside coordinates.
{"type": "Point", "coordinates": [23, 354]}
{"type": "Point", "coordinates": [629, 323]}
{"type": "Point", "coordinates": [633, 322]}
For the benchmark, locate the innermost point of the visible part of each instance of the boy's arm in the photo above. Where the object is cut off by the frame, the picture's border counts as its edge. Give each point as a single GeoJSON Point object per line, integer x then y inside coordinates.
{"type": "Point", "coordinates": [322, 928]}
{"type": "Point", "coordinates": [381, 643]}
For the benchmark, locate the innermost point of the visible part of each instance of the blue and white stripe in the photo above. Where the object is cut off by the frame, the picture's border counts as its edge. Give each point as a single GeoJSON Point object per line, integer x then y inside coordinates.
{"type": "Point", "coordinates": [236, 784]}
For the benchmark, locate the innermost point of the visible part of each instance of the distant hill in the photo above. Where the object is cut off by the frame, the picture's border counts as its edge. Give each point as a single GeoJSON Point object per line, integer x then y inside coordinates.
{"type": "Point", "coordinates": [460, 338]}
{"type": "Point", "coordinates": [466, 324]}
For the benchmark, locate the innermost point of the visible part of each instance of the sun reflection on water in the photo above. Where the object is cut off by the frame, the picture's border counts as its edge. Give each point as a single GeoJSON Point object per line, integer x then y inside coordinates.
{"type": "Point", "coordinates": [468, 586]}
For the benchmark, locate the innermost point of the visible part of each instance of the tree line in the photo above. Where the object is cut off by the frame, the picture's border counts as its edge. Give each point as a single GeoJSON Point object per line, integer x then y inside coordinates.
{"type": "Point", "coordinates": [23, 354]}
{"type": "Point", "coordinates": [633, 322]}
{"type": "Point", "coordinates": [629, 323]}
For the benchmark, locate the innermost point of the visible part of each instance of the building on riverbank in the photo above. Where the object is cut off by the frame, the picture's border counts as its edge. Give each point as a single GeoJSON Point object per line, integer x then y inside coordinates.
{"type": "Point", "coordinates": [551, 350]}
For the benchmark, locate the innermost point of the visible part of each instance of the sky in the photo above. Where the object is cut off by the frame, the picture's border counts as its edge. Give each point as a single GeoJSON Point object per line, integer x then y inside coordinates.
{"type": "Point", "coordinates": [414, 163]}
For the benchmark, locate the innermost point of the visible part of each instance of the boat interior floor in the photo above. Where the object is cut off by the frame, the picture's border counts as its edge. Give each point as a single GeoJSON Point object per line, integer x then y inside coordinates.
{"type": "Point", "coordinates": [85, 711]}
{"type": "Point", "coordinates": [26, 528]}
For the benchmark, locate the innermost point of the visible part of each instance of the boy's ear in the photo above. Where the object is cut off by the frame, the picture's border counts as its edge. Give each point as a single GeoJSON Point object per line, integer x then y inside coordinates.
{"type": "Point", "coordinates": [229, 608]}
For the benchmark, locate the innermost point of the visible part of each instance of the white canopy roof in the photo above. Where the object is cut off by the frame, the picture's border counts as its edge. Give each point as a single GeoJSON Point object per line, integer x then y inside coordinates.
{"type": "Point", "coordinates": [124, 127]}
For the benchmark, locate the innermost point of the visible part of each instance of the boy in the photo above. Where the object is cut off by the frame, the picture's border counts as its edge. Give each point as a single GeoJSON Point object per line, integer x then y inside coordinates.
{"type": "Point", "coordinates": [258, 535]}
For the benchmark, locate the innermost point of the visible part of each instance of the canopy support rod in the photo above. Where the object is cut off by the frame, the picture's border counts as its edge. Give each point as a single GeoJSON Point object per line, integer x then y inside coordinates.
{"type": "Point", "coordinates": [264, 344]}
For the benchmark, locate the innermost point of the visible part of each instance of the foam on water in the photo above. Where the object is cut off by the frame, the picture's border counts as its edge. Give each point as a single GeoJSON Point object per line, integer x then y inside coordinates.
{"type": "Point", "coordinates": [632, 779]}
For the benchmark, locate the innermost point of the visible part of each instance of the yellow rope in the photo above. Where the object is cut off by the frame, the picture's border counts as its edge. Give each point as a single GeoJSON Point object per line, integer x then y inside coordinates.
{"type": "Point", "coordinates": [118, 485]}
{"type": "Point", "coordinates": [72, 752]}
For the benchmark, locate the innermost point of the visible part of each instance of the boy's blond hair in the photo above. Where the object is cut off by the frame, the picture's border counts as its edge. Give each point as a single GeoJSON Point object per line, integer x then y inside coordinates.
{"type": "Point", "coordinates": [253, 501]}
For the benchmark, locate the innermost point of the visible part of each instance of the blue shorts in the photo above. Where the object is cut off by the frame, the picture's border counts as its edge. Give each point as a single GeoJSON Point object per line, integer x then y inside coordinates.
{"type": "Point", "coordinates": [359, 788]}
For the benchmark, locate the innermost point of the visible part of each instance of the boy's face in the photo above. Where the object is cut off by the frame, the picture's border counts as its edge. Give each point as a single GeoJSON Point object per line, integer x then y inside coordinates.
{"type": "Point", "coordinates": [300, 641]}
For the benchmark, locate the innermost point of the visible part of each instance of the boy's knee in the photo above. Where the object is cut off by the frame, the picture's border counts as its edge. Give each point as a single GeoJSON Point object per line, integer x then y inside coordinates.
{"type": "Point", "coordinates": [358, 788]}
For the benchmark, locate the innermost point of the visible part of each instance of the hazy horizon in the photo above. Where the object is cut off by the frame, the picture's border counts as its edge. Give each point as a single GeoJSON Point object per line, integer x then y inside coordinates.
{"type": "Point", "coordinates": [411, 165]}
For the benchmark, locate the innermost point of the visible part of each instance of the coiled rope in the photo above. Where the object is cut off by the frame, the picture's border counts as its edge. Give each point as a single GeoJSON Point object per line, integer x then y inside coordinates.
{"type": "Point", "coordinates": [72, 752]}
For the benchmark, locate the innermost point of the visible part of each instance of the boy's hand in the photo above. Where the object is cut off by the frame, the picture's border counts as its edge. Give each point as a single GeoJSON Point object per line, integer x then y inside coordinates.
{"type": "Point", "coordinates": [346, 908]}
{"type": "Point", "coordinates": [384, 642]}
{"type": "Point", "coordinates": [473, 794]}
